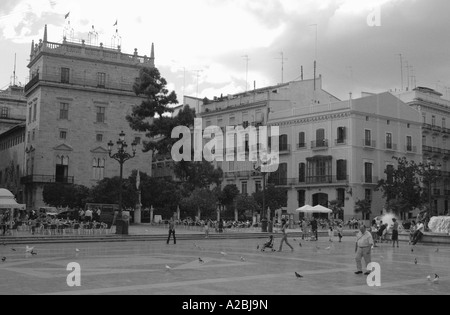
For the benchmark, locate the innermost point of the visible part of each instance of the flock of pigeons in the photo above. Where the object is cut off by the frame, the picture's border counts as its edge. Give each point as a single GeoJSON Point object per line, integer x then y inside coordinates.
{"type": "Point", "coordinates": [30, 250]}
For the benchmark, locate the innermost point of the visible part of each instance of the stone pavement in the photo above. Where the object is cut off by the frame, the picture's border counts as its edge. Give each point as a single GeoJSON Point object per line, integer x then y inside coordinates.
{"type": "Point", "coordinates": [139, 268]}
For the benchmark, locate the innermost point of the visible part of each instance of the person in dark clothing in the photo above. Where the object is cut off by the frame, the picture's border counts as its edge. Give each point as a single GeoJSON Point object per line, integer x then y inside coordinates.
{"type": "Point", "coordinates": [172, 232]}
{"type": "Point", "coordinates": [314, 228]}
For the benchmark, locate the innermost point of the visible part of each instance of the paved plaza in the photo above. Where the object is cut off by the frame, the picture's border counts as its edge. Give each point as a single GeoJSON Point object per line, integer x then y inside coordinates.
{"type": "Point", "coordinates": [140, 268]}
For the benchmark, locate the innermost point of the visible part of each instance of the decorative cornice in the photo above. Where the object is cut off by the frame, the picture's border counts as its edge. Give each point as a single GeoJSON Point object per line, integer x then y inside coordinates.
{"type": "Point", "coordinates": [308, 120]}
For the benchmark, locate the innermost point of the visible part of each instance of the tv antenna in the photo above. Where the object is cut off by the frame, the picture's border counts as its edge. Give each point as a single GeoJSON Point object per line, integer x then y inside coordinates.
{"type": "Point", "coordinates": [247, 59]}
{"type": "Point", "coordinates": [282, 66]}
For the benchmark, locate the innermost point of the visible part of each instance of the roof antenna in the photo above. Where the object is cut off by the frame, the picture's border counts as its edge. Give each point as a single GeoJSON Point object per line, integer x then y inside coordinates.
{"type": "Point", "coordinates": [14, 72]}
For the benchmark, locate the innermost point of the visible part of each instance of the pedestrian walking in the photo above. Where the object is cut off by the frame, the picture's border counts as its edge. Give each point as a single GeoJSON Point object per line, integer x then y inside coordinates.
{"type": "Point", "coordinates": [412, 230]}
{"type": "Point", "coordinates": [207, 227]}
{"type": "Point", "coordinates": [331, 234]}
{"type": "Point", "coordinates": [172, 232]}
{"type": "Point", "coordinates": [395, 233]}
{"type": "Point", "coordinates": [340, 231]}
{"type": "Point", "coordinates": [284, 239]}
{"type": "Point", "coordinates": [305, 231]}
{"type": "Point", "coordinates": [363, 249]}
{"type": "Point", "coordinates": [314, 228]}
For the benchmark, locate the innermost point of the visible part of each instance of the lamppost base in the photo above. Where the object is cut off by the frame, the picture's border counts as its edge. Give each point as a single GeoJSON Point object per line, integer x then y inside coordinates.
{"type": "Point", "coordinates": [122, 227]}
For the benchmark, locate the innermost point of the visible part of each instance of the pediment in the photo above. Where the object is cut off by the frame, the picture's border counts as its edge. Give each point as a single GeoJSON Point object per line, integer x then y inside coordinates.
{"type": "Point", "coordinates": [100, 150]}
{"type": "Point", "coordinates": [63, 147]}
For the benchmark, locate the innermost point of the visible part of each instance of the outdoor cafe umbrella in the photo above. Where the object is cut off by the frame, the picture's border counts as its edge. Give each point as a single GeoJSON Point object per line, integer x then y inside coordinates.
{"type": "Point", "coordinates": [305, 209]}
{"type": "Point", "coordinates": [7, 201]}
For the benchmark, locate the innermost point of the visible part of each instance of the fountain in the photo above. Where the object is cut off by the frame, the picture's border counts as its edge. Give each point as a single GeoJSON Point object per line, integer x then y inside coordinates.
{"type": "Point", "coordinates": [440, 225]}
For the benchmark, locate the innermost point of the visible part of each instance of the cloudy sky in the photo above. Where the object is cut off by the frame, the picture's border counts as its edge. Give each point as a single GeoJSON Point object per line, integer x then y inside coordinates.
{"type": "Point", "coordinates": [214, 36]}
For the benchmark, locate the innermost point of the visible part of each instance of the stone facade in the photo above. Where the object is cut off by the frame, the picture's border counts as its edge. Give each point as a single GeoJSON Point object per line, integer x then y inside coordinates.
{"type": "Point", "coordinates": [77, 100]}
{"type": "Point", "coordinates": [13, 107]}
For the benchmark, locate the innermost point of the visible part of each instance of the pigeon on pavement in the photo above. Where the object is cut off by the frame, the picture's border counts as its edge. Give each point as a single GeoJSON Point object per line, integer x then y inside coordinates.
{"type": "Point", "coordinates": [29, 249]}
{"type": "Point", "coordinates": [429, 278]}
{"type": "Point", "coordinates": [223, 253]}
{"type": "Point", "coordinates": [77, 250]}
{"type": "Point", "coordinates": [201, 261]}
{"type": "Point", "coordinates": [3, 259]}
{"type": "Point", "coordinates": [298, 276]}
{"type": "Point", "coordinates": [242, 259]}
{"type": "Point", "coordinates": [33, 253]}
{"type": "Point", "coordinates": [415, 261]}
{"type": "Point", "coordinates": [13, 249]}
{"type": "Point", "coordinates": [436, 278]}
{"type": "Point", "coordinates": [257, 247]}
{"type": "Point", "coordinates": [168, 268]}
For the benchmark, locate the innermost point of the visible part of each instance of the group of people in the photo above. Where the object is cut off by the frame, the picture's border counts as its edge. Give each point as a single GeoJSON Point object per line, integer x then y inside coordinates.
{"type": "Point", "coordinates": [89, 215]}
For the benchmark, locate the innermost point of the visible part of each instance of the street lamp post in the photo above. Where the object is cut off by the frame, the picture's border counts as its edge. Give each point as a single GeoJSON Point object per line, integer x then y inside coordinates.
{"type": "Point", "coordinates": [258, 168]}
{"type": "Point", "coordinates": [431, 173]}
{"type": "Point", "coordinates": [121, 156]}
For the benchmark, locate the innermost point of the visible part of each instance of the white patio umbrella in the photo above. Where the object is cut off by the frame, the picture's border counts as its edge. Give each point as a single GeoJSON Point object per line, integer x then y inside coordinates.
{"type": "Point", "coordinates": [321, 209]}
{"type": "Point", "coordinates": [7, 201]}
{"type": "Point", "coordinates": [305, 209]}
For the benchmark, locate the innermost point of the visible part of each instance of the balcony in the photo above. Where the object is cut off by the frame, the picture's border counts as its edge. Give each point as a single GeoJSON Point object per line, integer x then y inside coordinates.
{"type": "Point", "coordinates": [410, 149]}
{"type": "Point", "coordinates": [285, 149]}
{"type": "Point", "coordinates": [326, 179]}
{"type": "Point", "coordinates": [436, 130]}
{"type": "Point", "coordinates": [282, 181]}
{"type": "Point", "coordinates": [32, 83]}
{"type": "Point", "coordinates": [319, 145]}
{"type": "Point", "coordinates": [368, 144]}
{"type": "Point", "coordinates": [44, 179]}
{"type": "Point", "coordinates": [371, 180]}
{"type": "Point", "coordinates": [390, 147]}
{"type": "Point", "coordinates": [427, 149]}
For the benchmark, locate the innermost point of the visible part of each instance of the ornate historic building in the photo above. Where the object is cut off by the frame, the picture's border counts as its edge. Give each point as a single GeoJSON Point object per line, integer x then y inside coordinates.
{"type": "Point", "coordinates": [77, 101]}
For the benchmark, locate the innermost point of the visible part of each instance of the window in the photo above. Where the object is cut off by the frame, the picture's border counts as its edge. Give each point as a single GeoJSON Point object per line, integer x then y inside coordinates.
{"type": "Point", "coordinates": [368, 138]}
{"type": "Point", "coordinates": [283, 143]}
{"type": "Point", "coordinates": [99, 137]}
{"type": "Point", "coordinates": [444, 124]}
{"type": "Point", "coordinates": [367, 118]}
{"type": "Point", "coordinates": [65, 75]}
{"type": "Point", "coordinates": [30, 111]}
{"type": "Point", "coordinates": [368, 172]}
{"type": "Point", "coordinates": [424, 117]}
{"type": "Point", "coordinates": [62, 169]}
{"type": "Point", "coordinates": [368, 195]}
{"type": "Point", "coordinates": [409, 147]}
{"type": "Point", "coordinates": [341, 135]}
{"type": "Point", "coordinates": [4, 113]}
{"type": "Point", "coordinates": [137, 140]}
{"type": "Point", "coordinates": [279, 178]}
{"type": "Point", "coordinates": [302, 173]}
{"type": "Point", "coordinates": [301, 198]}
{"type": "Point", "coordinates": [301, 140]}
{"type": "Point", "coordinates": [244, 188]}
{"type": "Point", "coordinates": [101, 114]}
{"type": "Point", "coordinates": [98, 169]}
{"type": "Point", "coordinates": [341, 169]}
{"type": "Point", "coordinates": [433, 121]}
{"type": "Point", "coordinates": [390, 174]}
{"type": "Point", "coordinates": [258, 187]}
{"type": "Point", "coordinates": [62, 134]}
{"type": "Point", "coordinates": [388, 122]}
{"type": "Point", "coordinates": [35, 111]}
{"type": "Point", "coordinates": [389, 141]}
{"type": "Point", "coordinates": [33, 135]}
{"type": "Point", "coordinates": [340, 192]}
{"type": "Point", "coordinates": [101, 80]}
{"type": "Point", "coordinates": [64, 111]}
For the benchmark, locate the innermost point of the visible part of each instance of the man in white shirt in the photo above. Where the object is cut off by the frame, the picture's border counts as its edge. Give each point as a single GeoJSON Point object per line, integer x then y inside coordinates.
{"type": "Point", "coordinates": [363, 248]}
{"type": "Point", "coordinates": [419, 233]}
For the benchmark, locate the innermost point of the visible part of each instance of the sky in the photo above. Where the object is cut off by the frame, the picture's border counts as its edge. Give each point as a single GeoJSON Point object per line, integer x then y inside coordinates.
{"type": "Point", "coordinates": [204, 47]}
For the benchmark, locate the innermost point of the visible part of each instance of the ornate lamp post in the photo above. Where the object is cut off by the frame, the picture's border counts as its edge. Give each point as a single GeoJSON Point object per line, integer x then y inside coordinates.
{"type": "Point", "coordinates": [431, 172]}
{"type": "Point", "coordinates": [121, 156]}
